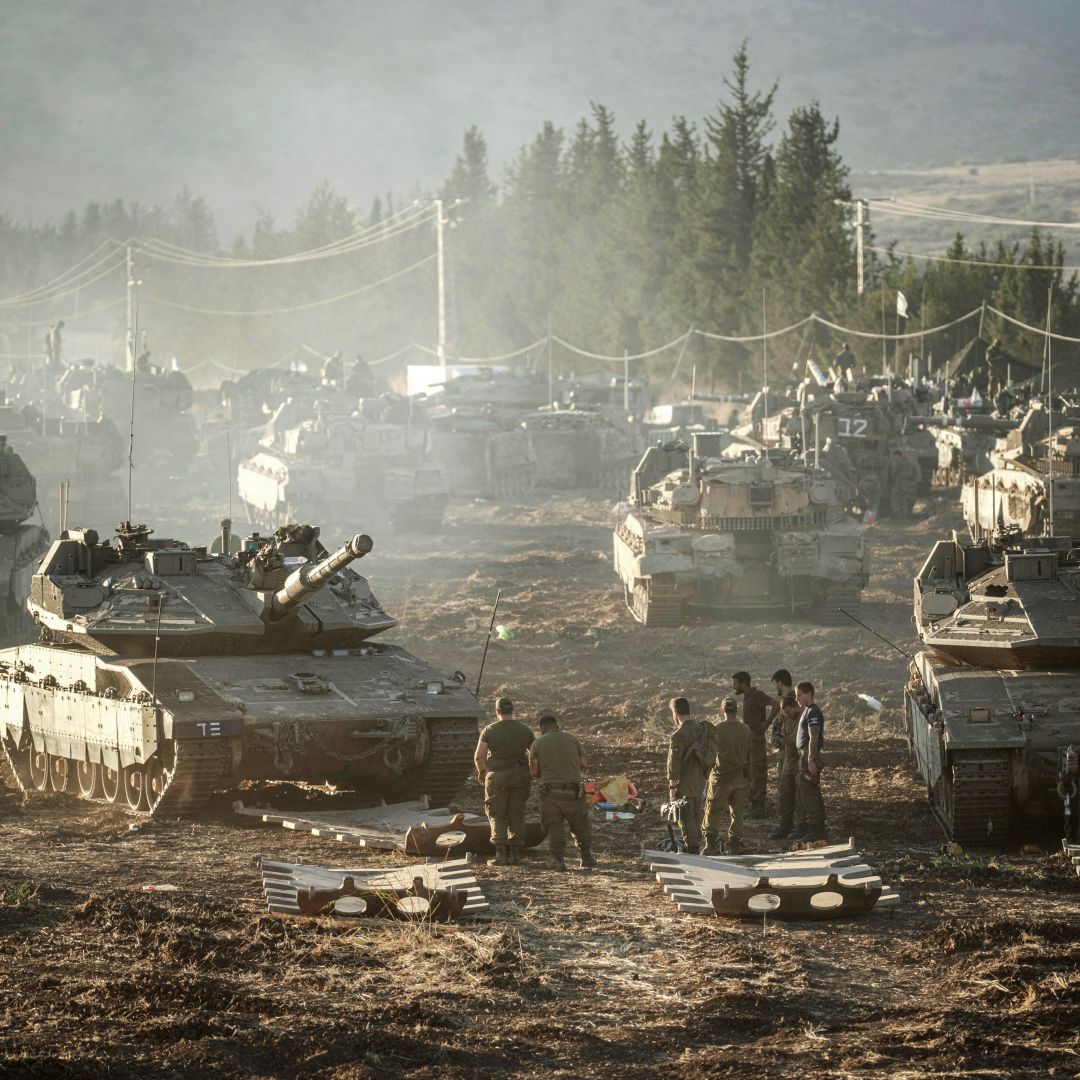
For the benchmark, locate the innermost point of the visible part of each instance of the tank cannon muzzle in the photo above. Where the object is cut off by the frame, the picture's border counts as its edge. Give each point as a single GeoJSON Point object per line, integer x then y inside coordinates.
{"type": "Point", "coordinates": [307, 580]}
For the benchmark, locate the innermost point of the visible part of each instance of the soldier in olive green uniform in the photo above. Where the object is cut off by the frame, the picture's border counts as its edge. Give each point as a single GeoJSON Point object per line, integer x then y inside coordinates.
{"type": "Point", "coordinates": [729, 781]}
{"type": "Point", "coordinates": [502, 763]}
{"type": "Point", "coordinates": [755, 714]}
{"type": "Point", "coordinates": [556, 760]}
{"type": "Point", "coordinates": [787, 794]}
{"type": "Point", "coordinates": [688, 770]}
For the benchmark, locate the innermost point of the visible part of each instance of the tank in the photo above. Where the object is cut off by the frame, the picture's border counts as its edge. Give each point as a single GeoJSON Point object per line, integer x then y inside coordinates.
{"type": "Point", "coordinates": [963, 444]}
{"type": "Point", "coordinates": [991, 702]}
{"type": "Point", "coordinates": [877, 449]}
{"type": "Point", "coordinates": [1016, 490]}
{"type": "Point", "coordinates": [711, 536]}
{"type": "Point", "coordinates": [164, 673]}
{"type": "Point", "coordinates": [483, 457]}
{"type": "Point", "coordinates": [21, 544]}
{"type": "Point", "coordinates": [318, 463]}
{"type": "Point", "coordinates": [580, 448]}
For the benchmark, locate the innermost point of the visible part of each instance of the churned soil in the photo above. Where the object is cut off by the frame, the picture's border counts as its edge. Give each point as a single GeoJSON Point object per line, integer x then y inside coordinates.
{"type": "Point", "coordinates": [578, 974]}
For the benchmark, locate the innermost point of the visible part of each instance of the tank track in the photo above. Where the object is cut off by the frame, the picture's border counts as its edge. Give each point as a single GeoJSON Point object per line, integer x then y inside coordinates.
{"type": "Point", "coordinates": [453, 743]}
{"type": "Point", "coordinates": [976, 807]}
{"type": "Point", "coordinates": [654, 605]}
{"type": "Point", "coordinates": [199, 769]}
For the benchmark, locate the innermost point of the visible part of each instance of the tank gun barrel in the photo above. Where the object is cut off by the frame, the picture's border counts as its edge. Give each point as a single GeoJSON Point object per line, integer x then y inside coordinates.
{"type": "Point", "coordinates": [976, 422]}
{"type": "Point", "coordinates": [307, 580]}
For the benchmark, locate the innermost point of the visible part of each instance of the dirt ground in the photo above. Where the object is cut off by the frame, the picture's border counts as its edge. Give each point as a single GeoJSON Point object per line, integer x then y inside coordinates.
{"type": "Point", "coordinates": [579, 975]}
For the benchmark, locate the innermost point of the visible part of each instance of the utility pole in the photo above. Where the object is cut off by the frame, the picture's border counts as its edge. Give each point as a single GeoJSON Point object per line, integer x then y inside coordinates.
{"type": "Point", "coordinates": [440, 348]}
{"type": "Point", "coordinates": [862, 219]}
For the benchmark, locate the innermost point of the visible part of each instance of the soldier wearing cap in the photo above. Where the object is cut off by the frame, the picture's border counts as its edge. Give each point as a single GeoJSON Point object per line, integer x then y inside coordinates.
{"type": "Point", "coordinates": [729, 782]}
{"type": "Point", "coordinates": [787, 791]}
{"type": "Point", "coordinates": [502, 764]}
{"type": "Point", "coordinates": [556, 760]}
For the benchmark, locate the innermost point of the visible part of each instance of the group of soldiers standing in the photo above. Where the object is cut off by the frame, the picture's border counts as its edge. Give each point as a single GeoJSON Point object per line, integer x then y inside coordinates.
{"type": "Point", "coordinates": [716, 770]}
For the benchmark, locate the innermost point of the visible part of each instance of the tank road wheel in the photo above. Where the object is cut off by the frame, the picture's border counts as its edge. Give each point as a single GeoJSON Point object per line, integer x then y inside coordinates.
{"type": "Point", "coordinates": [110, 784]}
{"type": "Point", "coordinates": [61, 774]}
{"type": "Point", "coordinates": [133, 782]}
{"type": "Point", "coordinates": [88, 777]}
{"type": "Point", "coordinates": [39, 770]}
{"type": "Point", "coordinates": [156, 780]}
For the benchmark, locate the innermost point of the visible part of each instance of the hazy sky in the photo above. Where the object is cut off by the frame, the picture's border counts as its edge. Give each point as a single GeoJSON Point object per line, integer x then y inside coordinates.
{"type": "Point", "coordinates": [254, 102]}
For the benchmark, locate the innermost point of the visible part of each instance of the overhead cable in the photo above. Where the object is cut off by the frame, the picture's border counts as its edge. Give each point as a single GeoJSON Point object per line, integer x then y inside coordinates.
{"type": "Point", "coordinates": [143, 296]}
{"type": "Point", "coordinates": [753, 337]}
{"type": "Point", "coordinates": [895, 337]}
{"type": "Point", "coordinates": [1041, 331]}
{"type": "Point", "coordinates": [973, 260]}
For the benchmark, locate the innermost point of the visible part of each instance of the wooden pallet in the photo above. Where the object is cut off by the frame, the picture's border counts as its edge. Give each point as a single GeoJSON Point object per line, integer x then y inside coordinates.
{"type": "Point", "coordinates": [438, 891]}
{"type": "Point", "coordinates": [690, 881]}
{"type": "Point", "coordinates": [1072, 852]}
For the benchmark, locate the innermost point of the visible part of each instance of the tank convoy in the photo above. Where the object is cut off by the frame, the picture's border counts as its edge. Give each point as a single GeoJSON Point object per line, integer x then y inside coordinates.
{"type": "Point", "coordinates": [992, 701]}
{"type": "Point", "coordinates": [580, 448]}
{"type": "Point", "coordinates": [706, 535]}
{"type": "Point", "coordinates": [165, 672]}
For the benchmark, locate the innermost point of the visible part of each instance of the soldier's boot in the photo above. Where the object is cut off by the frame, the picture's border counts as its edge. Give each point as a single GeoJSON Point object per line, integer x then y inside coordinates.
{"type": "Point", "coordinates": [501, 856]}
{"type": "Point", "coordinates": [587, 860]}
{"type": "Point", "coordinates": [514, 856]}
{"type": "Point", "coordinates": [556, 862]}
{"type": "Point", "coordinates": [734, 847]}
{"type": "Point", "coordinates": [712, 845]}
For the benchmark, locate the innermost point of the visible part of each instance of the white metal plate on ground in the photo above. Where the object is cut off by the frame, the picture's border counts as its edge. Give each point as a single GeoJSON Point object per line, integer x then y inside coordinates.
{"type": "Point", "coordinates": [284, 882]}
{"type": "Point", "coordinates": [689, 880]}
{"type": "Point", "coordinates": [1072, 852]}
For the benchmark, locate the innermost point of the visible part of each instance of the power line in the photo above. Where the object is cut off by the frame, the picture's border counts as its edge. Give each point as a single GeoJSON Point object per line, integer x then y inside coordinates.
{"type": "Point", "coordinates": [972, 261]}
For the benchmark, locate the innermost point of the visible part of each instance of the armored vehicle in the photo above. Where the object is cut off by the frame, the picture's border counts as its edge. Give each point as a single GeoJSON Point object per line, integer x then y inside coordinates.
{"type": "Point", "coordinates": [1016, 491]}
{"type": "Point", "coordinates": [580, 448]}
{"type": "Point", "coordinates": [164, 673]}
{"type": "Point", "coordinates": [506, 393]}
{"type": "Point", "coordinates": [963, 444]}
{"type": "Point", "coordinates": [706, 535]}
{"type": "Point", "coordinates": [316, 462]}
{"type": "Point", "coordinates": [992, 703]}
{"type": "Point", "coordinates": [484, 458]}
{"type": "Point", "coordinates": [21, 545]}
{"type": "Point", "coordinates": [886, 459]}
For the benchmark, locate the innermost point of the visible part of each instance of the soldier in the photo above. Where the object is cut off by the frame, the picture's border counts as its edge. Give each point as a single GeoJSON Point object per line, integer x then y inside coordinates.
{"type": "Point", "coordinates": [904, 479]}
{"type": "Point", "coordinates": [809, 738]}
{"type": "Point", "coordinates": [755, 716]}
{"type": "Point", "coordinates": [502, 765]}
{"type": "Point", "coordinates": [54, 346]}
{"type": "Point", "coordinates": [845, 358]}
{"type": "Point", "coordinates": [556, 760]}
{"type": "Point", "coordinates": [784, 685]}
{"type": "Point", "coordinates": [688, 764]}
{"type": "Point", "coordinates": [729, 782]}
{"type": "Point", "coordinates": [787, 789]}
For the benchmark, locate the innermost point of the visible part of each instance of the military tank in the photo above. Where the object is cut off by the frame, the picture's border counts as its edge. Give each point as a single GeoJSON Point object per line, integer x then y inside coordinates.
{"type": "Point", "coordinates": [484, 458]}
{"type": "Point", "coordinates": [709, 536]}
{"type": "Point", "coordinates": [1033, 481]}
{"type": "Point", "coordinates": [164, 673]}
{"type": "Point", "coordinates": [21, 545]}
{"type": "Point", "coordinates": [991, 703]}
{"type": "Point", "coordinates": [963, 444]}
{"type": "Point", "coordinates": [580, 448]}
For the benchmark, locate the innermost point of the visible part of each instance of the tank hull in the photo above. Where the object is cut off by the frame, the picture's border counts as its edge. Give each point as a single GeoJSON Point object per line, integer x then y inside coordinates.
{"type": "Point", "coordinates": [670, 572]}
{"type": "Point", "coordinates": [372, 717]}
{"type": "Point", "coordinates": [988, 743]}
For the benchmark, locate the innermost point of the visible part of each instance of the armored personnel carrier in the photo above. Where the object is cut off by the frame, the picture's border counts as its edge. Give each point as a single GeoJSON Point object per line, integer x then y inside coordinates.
{"type": "Point", "coordinates": [164, 673]}
{"type": "Point", "coordinates": [580, 448]}
{"type": "Point", "coordinates": [991, 703]}
{"type": "Point", "coordinates": [963, 444]}
{"type": "Point", "coordinates": [706, 535]}
{"type": "Point", "coordinates": [21, 545]}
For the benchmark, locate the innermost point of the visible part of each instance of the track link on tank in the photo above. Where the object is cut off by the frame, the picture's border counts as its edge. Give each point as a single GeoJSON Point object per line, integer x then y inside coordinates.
{"type": "Point", "coordinates": [453, 743]}
{"type": "Point", "coordinates": [975, 806]}
{"type": "Point", "coordinates": [655, 605]}
{"type": "Point", "coordinates": [834, 598]}
{"type": "Point", "coordinates": [198, 769]}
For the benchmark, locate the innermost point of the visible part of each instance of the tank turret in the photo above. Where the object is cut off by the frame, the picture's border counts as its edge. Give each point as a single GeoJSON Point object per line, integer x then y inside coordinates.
{"type": "Point", "coordinates": [991, 701]}
{"type": "Point", "coordinates": [165, 672]}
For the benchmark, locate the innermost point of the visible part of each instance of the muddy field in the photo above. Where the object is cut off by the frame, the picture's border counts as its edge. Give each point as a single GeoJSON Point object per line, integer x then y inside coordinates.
{"type": "Point", "coordinates": [585, 974]}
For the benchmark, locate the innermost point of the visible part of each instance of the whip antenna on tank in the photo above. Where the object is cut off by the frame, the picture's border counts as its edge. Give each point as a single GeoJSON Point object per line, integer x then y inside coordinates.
{"type": "Point", "coordinates": [764, 368]}
{"type": "Point", "coordinates": [487, 642]}
{"type": "Point", "coordinates": [1049, 412]}
{"type": "Point", "coordinates": [132, 338]}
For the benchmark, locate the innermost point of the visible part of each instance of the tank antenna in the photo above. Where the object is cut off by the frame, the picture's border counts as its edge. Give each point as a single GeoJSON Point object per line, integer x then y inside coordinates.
{"type": "Point", "coordinates": [1049, 409]}
{"type": "Point", "coordinates": [881, 637]}
{"type": "Point", "coordinates": [132, 340]}
{"type": "Point", "coordinates": [491, 626]}
{"type": "Point", "coordinates": [228, 467]}
{"type": "Point", "coordinates": [764, 368]}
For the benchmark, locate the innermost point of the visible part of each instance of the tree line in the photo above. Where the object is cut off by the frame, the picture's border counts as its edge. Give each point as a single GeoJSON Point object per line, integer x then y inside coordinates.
{"type": "Point", "coordinates": [732, 224]}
